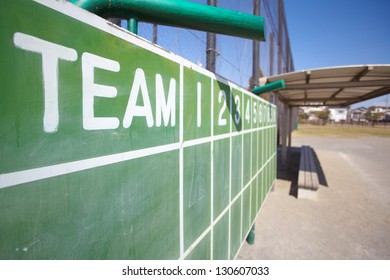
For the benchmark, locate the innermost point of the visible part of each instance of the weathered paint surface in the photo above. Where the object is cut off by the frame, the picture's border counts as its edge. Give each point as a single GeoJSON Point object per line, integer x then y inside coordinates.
{"type": "Point", "coordinates": [112, 148]}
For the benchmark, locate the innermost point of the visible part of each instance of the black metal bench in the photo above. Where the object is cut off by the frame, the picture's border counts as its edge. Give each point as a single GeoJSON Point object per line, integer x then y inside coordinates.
{"type": "Point", "coordinates": [308, 182]}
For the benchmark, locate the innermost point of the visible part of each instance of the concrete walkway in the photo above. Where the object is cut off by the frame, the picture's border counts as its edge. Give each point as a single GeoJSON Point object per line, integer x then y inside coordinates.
{"type": "Point", "coordinates": [350, 220]}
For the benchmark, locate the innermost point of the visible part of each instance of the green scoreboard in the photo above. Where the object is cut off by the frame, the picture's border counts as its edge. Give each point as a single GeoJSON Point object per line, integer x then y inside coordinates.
{"type": "Point", "coordinates": [113, 148]}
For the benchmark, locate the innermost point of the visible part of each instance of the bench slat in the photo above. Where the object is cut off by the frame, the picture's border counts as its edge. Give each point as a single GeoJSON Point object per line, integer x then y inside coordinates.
{"type": "Point", "coordinates": [307, 177]}
{"type": "Point", "coordinates": [308, 181]}
{"type": "Point", "coordinates": [302, 168]}
{"type": "Point", "coordinates": [314, 177]}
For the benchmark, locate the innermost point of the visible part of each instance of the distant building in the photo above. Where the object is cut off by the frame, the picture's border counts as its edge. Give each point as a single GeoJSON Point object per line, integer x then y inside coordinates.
{"type": "Point", "coordinates": [359, 114]}
{"type": "Point", "coordinates": [384, 111]}
{"type": "Point", "coordinates": [338, 114]}
{"type": "Point", "coordinates": [311, 112]}
{"type": "Point", "coordinates": [335, 115]}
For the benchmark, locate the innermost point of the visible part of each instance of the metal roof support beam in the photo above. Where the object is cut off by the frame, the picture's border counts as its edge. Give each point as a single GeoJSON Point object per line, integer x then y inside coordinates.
{"type": "Point", "coordinates": [355, 79]}
{"type": "Point", "coordinates": [318, 99]}
{"type": "Point", "coordinates": [369, 83]}
{"type": "Point", "coordinates": [376, 93]}
{"type": "Point", "coordinates": [308, 75]}
{"type": "Point", "coordinates": [362, 73]}
{"type": "Point", "coordinates": [335, 94]}
{"type": "Point", "coordinates": [334, 86]}
{"type": "Point", "coordinates": [292, 105]}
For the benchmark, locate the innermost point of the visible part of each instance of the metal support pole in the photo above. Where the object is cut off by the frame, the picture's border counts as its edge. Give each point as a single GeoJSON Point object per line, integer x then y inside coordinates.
{"type": "Point", "coordinates": [211, 45]}
{"type": "Point", "coordinates": [256, 51]}
{"type": "Point", "coordinates": [250, 239]}
{"type": "Point", "coordinates": [133, 25]}
{"type": "Point", "coordinates": [280, 37]}
{"type": "Point", "coordinates": [271, 53]}
{"type": "Point", "coordinates": [155, 33]}
{"type": "Point", "coordinates": [290, 125]}
{"type": "Point", "coordinates": [285, 124]}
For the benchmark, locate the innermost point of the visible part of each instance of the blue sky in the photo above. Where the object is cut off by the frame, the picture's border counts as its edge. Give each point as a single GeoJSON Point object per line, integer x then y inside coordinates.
{"type": "Point", "coordinates": [323, 33]}
{"type": "Point", "coordinates": [339, 32]}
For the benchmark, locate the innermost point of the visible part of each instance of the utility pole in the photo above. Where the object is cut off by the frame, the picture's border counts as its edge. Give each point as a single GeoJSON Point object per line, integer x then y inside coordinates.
{"type": "Point", "coordinates": [280, 37]}
{"type": "Point", "coordinates": [256, 51]}
{"type": "Point", "coordinates": [211, 52]}
{"type": "Point", "coordinates": [155, 33]}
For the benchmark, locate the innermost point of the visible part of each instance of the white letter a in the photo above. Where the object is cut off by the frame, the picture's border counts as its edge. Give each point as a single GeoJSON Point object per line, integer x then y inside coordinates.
{"type": "Point", "coordinates": [132, 108]}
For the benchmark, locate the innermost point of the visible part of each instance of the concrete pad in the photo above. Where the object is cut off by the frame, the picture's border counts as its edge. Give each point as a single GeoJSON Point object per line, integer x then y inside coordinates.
{"type": "Point", "coordinates": [350, 219]}
{"type": "Point", "coordinates": [307, 194]}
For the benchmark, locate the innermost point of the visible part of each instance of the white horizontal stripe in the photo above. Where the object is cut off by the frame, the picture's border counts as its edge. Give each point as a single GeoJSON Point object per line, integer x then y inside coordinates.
{"type": "Point", "coordinates": [30, 175]}
{"type": "Point", "coordinates": [198, 141]}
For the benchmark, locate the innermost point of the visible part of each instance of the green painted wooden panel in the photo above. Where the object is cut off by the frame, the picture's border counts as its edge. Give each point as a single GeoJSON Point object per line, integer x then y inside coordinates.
{"type": "Point", "coordinates": [221, 176]}
{"type": "Point", "coordinates": [221, 238]}
{"type": "Point", "coordinates": [112, 148]}
{"type": "Point", "coordinates": [202, 250]}
{"type": "Point", "coordinates": [197, 193]}
{"type": "Point", "coordinates": [246, 214]}
{"type": "Point", "coordinates": [247, 157]}
{"type": "Point", "coordinates": [95, 214]}
{"type": "Point", "coordinates": [235, 228]}
{"type": "Point", "coordinates": [237, 158]}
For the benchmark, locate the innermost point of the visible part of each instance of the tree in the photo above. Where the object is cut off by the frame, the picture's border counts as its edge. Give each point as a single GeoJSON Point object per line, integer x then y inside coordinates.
{"type": "Point", "coordinates": [302, 116]}
{"type": "Point", "coordinates": [373, 116]}
{"type": "Point", "coordinates": [323, 116]}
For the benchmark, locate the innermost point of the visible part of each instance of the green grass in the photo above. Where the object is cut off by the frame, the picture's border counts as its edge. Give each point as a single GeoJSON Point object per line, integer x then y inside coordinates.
{"type": "Point", "coordinates": [342, 130]}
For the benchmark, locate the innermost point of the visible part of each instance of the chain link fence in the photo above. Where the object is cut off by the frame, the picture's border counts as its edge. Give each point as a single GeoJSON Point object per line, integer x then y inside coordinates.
{"type": "Point", "coordinates": [234, 55]}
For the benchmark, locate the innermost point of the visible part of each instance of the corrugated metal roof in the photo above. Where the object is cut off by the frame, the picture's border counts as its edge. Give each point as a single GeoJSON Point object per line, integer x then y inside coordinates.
{"type": "Point", "coordinates": [334, 86]}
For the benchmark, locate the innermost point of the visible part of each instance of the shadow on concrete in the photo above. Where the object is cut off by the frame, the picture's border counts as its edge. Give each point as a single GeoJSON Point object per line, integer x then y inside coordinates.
{"type": "Point", "coordinates": [320, 171]}
{"type": "Point", "coordinates": [290, 170]}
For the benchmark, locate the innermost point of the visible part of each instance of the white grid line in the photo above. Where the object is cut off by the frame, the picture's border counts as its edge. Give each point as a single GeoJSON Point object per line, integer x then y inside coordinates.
{"type": "Point", "coordinates": [212, 175]}
{"type": "Point", "coordinates": [216, 220]}
{"type": "Point", "coordinates": [181, 164]}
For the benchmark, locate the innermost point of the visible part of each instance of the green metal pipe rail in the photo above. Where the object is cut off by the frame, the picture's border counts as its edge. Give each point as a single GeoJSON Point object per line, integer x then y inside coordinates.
{"type": "Point", "coordinates": [180, 13]}
{"type": "Point", "coordinates": [280, 84]}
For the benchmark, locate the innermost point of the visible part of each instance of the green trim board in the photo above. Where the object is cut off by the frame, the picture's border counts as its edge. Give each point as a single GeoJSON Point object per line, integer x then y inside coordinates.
{"type": "Point", "coordinates": [113, 148]}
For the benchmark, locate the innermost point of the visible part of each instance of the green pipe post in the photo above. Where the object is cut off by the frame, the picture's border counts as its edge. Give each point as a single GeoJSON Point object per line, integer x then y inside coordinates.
{"type": "Point", "coordinates": [132, 25]}
{"type": "Point", "coordinates": [181, 13]}
{"type": "Point", "coordinates": [250, 239]}
{"type": "Point", "coordinates": [269, 87]}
